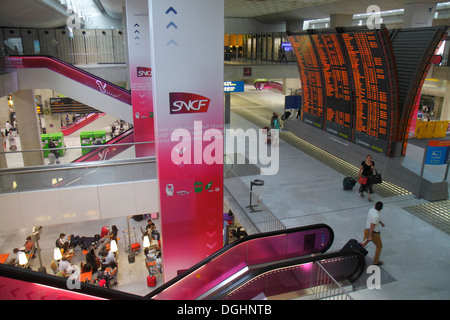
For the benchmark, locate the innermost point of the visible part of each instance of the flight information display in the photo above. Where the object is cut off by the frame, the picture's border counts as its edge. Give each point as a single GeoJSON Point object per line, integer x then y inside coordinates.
{"type": "Point", "coordinates": [348, 86]}
{"type": "Point", "coordinates": [337, 85]}
{"type": "Point", "coordinates": [68, 105]}
{"type": "Point", "coordinates": [372, 91]}
{"type": "Point", "coordinates": [311, 79]}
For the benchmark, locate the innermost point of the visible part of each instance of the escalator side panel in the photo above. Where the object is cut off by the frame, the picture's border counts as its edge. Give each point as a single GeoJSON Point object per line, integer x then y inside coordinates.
{"type": "Point", "coordinates": [255, 249]}
{"type": "Point", "coordinates": [300, 274]}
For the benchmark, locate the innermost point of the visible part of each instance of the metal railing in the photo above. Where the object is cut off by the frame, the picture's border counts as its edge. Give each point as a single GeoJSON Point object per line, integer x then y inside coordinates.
{"type": "Point", "coordinates": [261, 217]}
{"type": "Point", "coordinates": [77, 174]}
{"type": "Point", "coordinates": [325, 287]}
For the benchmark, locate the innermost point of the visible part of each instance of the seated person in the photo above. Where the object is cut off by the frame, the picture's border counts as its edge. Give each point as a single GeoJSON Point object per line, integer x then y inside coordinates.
{"type": "Point", "coordinates": [29, 246]}
{"type": "Point", "coordinates": [112, 235]}
{"type": "Point", "coordinates": [92, 261]}
{"type": "Point", "coordinates": [65, 268]}
{"type": "Point", "coordinates": [111, 271]}
{"type": "Point", "coordinates": [148, 226]}
{"type": "Point", "coordinates": [154, 258]}
{"type": "Point", "coordinates": [108, 260]}
{"type": "Point", "coordinates": [62, 242]}
{"type": "Point", "coordinates": [154, 233]}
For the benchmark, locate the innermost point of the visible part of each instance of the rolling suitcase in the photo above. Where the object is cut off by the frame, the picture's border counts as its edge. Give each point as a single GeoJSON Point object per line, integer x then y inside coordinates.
{"type": "Point", "coordinates": [353, 244]}
{"type": "Point", "coordinates": [151, 281]}
{"type": "Point", "coordinates": [349, 183]}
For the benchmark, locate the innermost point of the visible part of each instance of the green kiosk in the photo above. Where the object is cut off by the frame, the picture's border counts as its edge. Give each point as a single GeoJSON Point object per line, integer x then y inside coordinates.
{"type": "Point", "coordinates": [86, 139]}
{"type": "Point", "coordinates": [44, 140]}
{"type": "Point", "coordinates": [58, 139]}
{"type": "Point", "coordinates": [89, 138]}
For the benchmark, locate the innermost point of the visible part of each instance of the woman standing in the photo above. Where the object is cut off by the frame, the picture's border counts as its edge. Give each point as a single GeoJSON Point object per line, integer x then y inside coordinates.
{"type": "Point", "coordinates": [365, 171]}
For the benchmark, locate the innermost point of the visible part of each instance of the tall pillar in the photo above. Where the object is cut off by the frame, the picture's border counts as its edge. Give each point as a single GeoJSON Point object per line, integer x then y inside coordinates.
{"type": "Point", "coordinates": [418, 14]}
{"type": "Point", "coordinates": [189, 113]}
{"type": "Point", "coordinates": [27, 120]}
{"type": "Point", "coordinates": [340, 20]}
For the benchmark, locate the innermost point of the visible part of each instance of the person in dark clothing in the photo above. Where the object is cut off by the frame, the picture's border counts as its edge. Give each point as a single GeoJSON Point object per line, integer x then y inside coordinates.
{"type": "Point", "coordinates": [365, 170]}
{"type": "Point", "coordinates": [91, 260]}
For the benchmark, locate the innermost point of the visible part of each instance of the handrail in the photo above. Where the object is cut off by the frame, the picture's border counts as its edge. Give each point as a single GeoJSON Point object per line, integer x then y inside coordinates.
{"type": "Point", "coordinates": [250, 278]}
{"type": "Point", "coordinates": [341, 290]}
{"type": "Point", "coordinates": [67, 70]}
{"type": "Point", "coordinates": [55, 287]}
{"type": "Point", "coordinates": [77, 165]}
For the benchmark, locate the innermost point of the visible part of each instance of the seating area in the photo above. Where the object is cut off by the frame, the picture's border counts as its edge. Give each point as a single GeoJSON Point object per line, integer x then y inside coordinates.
{"type": "Point", "coordinates": [112, 269]}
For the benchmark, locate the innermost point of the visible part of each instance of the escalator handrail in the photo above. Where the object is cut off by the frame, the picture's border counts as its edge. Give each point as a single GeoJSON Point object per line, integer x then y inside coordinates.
{"type": "Point", "coordinates": [50, 62]}
{"type": "Point", "coordinates": [238, 242]}
{"type": "Point", "coordinates": [53, 281]}
{"type": "Point", "coordinates": [297, 262]}
{"type": "Point", "coordinates": [100, 148]}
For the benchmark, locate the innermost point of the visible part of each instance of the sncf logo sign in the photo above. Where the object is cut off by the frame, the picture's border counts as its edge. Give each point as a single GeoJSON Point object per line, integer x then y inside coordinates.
{"type": "Point", "coordinates": [182, 102]}
{"type": "Point", "coordinates": [144, 72]}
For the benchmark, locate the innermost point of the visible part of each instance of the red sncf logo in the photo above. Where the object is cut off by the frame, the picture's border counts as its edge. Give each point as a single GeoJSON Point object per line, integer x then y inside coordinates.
{"type": "Point", "coordinates": [182, 102]}
{"type": "Point", "coordinates": [144, 72]}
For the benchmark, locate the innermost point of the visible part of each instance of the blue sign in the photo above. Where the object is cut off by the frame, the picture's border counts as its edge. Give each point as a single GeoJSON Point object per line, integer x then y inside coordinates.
{"type": "Point", "coordinates": [233, 86]}
{"type": "Point", "coordinates": [292, 102]}
{"type": "Point", "coordinates": [437, 153]}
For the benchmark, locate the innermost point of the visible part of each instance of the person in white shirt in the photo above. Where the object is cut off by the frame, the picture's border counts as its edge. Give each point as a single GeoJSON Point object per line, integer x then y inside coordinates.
{"type": "Point", "coordinates": [8, 127]}
{"type": "Point", "coordinates": [372, 231]}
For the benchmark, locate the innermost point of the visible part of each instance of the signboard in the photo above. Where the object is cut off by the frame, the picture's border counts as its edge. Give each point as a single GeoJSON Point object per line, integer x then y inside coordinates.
{"type": "Point", "coordinates": [292, 102]}
{"type": "Point", "coordinates": [233, 86]}
{"type": "Point", "coordinates": [311, 79]}
{"type": "Point", "coordinates": [348, 85]}
{"type": "Point", "coordinates": [372, 89]}
{"type": "Point", "coordinates": [68, 105]}
{"type": "Point", "coordinates": [337, 83]}
{"type": "Point", "coordinates": [438, 152]}
{"type": "Point", "coordinates": [140, 75]}
{"type": "Point", "coordinates": [188, 104]}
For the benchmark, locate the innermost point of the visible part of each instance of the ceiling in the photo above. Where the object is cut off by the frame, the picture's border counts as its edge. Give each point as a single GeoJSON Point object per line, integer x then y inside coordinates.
{"type": "Point", "coordinates": [51, 14]}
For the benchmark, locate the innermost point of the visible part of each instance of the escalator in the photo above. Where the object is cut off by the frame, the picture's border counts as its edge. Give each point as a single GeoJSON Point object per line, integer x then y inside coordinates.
{"type": "Point", "coordinates": [279, 261]}
{"type": "Point", "coordinates": [45, 72]}
{"type": "Point", "coordinates": [263, 265]}
{"type": "Point", "coordinates": [108, 150]}
{"type": "Point", "coordinates": [289, 278]}
{"type": "Point", "coordinates": [41, 72]}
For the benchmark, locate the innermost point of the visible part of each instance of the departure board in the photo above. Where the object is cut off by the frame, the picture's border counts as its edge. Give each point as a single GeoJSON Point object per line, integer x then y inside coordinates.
{"type": "Point", "coordinates": [311, 79]}
{"type": "Point", "coordinates": [68, 105]}
{"type": "Point", "coordinates": [337, 85]}
{"type": "Point", "coordinates": [368, 65]}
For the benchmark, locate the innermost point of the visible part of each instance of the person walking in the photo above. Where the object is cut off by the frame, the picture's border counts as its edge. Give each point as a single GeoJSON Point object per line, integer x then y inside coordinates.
{"type": "Point", "coordinates": [372, 231]}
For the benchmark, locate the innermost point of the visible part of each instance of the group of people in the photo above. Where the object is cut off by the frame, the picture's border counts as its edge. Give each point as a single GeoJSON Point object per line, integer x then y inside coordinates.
{"type": "Point", "coordinates": [153, 255]}
{"type": "Point", "coordinates": [103, 264]}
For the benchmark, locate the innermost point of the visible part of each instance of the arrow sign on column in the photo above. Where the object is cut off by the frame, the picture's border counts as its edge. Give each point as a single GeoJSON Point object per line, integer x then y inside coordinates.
{"type": "Point", "coordinates": [172, 42]}
{"type": "Point", "coordinates": [171, 24]}
{"type": "Point", "coordinates": [171, 9]}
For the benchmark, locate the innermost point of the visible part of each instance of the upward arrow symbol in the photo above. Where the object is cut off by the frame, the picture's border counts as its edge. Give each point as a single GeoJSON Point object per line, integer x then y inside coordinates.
{"type": "Point", "coordinates": [171, 24]}
{"type": "Point", "coordinates": [171, 9]}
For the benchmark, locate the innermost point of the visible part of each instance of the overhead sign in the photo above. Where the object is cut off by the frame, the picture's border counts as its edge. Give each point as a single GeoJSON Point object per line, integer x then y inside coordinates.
{"type": "Point", "coordinates": [233, 86]}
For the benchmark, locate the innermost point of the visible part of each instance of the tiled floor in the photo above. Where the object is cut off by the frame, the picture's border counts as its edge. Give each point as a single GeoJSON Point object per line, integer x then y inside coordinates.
{"type": "Point", "coordinates": [307, 191]}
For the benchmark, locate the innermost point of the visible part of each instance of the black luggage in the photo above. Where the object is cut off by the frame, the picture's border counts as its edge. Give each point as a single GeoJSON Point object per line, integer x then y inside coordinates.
{"type": "Point", "coordinates": [353, 244]}
{"type": "Point", "coordinates": [349, 183]}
